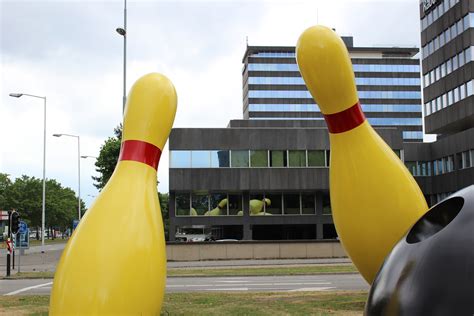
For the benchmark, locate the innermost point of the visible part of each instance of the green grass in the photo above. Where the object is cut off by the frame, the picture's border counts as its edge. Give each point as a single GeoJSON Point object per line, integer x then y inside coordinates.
{"type": "Point", "coordinates": [34, 242]}
{"type": "Point", "coordinates": [263, 271]}
{"type": "Point", "coordinates": [214, 272]}
{"type": "Point", "coordinates": [249, 303]}
{"type": "Point", "coordinates": [32, 275]}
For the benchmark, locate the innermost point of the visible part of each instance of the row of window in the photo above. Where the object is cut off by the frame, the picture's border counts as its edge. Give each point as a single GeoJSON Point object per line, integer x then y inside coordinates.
{"type": "Point", "coordinates": [301, 94]}
{"type": "Point", "coordinates": [361, 81]}
{"type": "Point", "coordinates": [314, 107]}
{"type": "Point", "coordinates": [375, 121]}
{"type": "Point", "coordinates": [447, 35]}
{"type": "Point", "coordinates": [449, 98]}
{"type": "Point", "coordinates": [443, 165]}
{"type": "Point", "coordinates": [224, 204]}
{"type": "Point", "coordinates": [437, 12]}
{"type": "Point", "coordinates": [357, 67]}
{"type": "Point", "coordinates": [274, 54]}
{"type": "Point", "coordinates": [412, 135]}
{"type": "Point", "coordinates": [448, 66]}
{"type": "Point", "coordinates": [248, 158]}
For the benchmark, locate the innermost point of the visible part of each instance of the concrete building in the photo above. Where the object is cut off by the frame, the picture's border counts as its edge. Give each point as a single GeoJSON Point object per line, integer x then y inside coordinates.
{"type": "Point", "coordinates": [447, 37]}
{"type": "Point", "coordinates": [265, 177]}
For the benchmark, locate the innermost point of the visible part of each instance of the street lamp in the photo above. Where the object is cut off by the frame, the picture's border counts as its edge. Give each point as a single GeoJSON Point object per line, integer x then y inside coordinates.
{"type": "Point", "coordinates": [123, 32]}
{"type": "Point", "coordinates": [78, 170]}
{"type": "Point", "coordinates": [43, 211]}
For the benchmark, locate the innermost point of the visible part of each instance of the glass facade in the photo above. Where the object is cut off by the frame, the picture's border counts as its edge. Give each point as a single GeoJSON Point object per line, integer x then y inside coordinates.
{"type": "Point", "coordinates": [449, 98]}
{"type": "Point", "coordinates": [356, 67]}
{"type": "Point", "coordinates": [304, 94]}
{"type": "Point", "coordinates": [361, 81]}
{"type": "Point", "coordinates": [314, 108]}
{"type": "Point", "coordinates": [250, 158]}
{"type": "Point", "coordinates": [266, 204]}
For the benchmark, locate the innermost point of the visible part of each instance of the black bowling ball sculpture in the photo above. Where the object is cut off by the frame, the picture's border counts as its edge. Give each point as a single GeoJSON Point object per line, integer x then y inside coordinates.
{"type": "Point", "coordinates": [430, 271]}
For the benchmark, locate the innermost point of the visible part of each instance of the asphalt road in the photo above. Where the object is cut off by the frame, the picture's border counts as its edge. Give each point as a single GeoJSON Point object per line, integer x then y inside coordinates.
{"type": "Point", "coordinates": [329, 282]}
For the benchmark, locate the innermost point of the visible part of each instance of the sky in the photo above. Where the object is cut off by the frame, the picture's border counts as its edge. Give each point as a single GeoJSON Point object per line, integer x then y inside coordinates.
{"type": "Point", "coordinates": [70, 52]}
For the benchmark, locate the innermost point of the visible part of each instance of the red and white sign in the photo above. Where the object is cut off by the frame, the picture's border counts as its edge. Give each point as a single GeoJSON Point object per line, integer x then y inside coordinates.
{"type": "Point", "coordinates": [3, 215]}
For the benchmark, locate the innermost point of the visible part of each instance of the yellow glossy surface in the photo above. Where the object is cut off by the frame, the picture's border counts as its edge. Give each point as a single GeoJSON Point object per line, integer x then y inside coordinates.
{"type": "Point", "coordinates": [374, 198]}
{"type": "Point", "coordinates": [115, 262]}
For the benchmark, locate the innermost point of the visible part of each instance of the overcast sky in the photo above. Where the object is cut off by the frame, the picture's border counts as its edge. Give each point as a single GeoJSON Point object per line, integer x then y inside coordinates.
{"type": "Point", "coordinates": [69, 51]}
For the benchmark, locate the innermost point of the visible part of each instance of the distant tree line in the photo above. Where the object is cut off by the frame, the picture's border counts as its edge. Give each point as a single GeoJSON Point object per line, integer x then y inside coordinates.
{"type": "Point", "coordinates": [25, 194]}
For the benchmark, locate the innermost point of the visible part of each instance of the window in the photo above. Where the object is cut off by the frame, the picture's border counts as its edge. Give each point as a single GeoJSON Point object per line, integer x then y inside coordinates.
{"type": "Point", "coordinates": [326, 204]}
{"type": "Point", "coordinates": [411, 166]}
{"type": "Point", "coordinates": [466, 159]}
{"type": "Point", "coordinates": [180, 159]}
{"type": "Point", "coordinates": [218, 204]}
{"type": "Point", "coordinates": [308, 203]}
{"type": "Point", "coordinates": [200, 159]}
{"type": "Point", "coordinates": [259, 158]}
{"type": "Point", "coordinates": [455, 62]}
{"type": "Point", "coordinates": [182, 204]}
{"type": "Point", "coordinates": [219, 158]}
{"type": "Point", "coordinates": [278, 158]}
{"type": "Point", "coordinates": [273, 204]}
{"type": "Point", "coordinates": [462, 92]}
{"type": "Point", "coordinates": [200, 204]}
{"type": "Point", "coordinates": [297, 158]}
{"type": "Point", "coordinates": [257, 204]}
{"type": "Point", "coordinates": [235, 204]}
{"type": "Point", "coordinates": [240, 158]}
{"type": "Point", "coordinates": [456, 94]}
{"type": "Point", "coordinates": [292, 203]}
{"type": "Point", "coordinates": [316, 158]}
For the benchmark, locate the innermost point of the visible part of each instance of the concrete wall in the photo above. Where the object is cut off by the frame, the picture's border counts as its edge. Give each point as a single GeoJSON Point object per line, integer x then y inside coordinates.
{"type": "Point", "coordinates": [254, 250]}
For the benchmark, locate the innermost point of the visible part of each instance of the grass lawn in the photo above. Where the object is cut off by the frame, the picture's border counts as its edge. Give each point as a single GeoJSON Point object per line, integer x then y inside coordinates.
{"type": "Point", "coordinates": [34, 242]}
{"type": "Point", "coordinates": [249, 303]}
{"type": "Point", "coordinates": [260, 271]}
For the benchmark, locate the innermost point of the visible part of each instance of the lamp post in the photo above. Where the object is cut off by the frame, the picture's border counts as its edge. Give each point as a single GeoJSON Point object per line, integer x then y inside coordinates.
{"type": "Point", "coordinates": [43, 210]}
{"type": "Point", "coordinates": [78, 171]}
{"type": "Point", "coordinates": [123, 32]}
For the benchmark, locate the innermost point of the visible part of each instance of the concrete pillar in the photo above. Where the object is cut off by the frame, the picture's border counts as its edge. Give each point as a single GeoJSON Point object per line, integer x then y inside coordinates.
{"type": "Point", "coordinates": [319, 231]}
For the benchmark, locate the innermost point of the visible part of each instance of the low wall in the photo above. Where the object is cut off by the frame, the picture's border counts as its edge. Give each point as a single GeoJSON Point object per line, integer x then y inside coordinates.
{"type": "Point", "coordinates": [254, 250]}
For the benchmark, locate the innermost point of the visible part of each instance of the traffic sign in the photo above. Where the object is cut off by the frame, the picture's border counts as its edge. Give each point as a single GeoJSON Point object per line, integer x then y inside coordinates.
{"type": "Point", "coordinates": [23, 227]}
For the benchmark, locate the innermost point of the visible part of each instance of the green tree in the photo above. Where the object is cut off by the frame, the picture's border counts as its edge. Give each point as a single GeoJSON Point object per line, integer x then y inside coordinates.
{"type": "Point", "coordinates": [108, 156]}
{"type": "Point", "coordinates": [164, 202]}
{"type": "Point", "coordinates": [25, 195]}
{"type": "Point", "coordinates": [5, 184]}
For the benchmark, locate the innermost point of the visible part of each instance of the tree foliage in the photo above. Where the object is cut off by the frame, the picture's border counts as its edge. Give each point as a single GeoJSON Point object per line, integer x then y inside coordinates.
{"type": "Point", "coordinates": [25, 195]}
{"type": "Point", "coordinates": [108, 156]}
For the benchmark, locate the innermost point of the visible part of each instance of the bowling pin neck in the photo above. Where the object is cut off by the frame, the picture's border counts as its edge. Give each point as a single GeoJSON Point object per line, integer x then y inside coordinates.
{"type": "Point", "coordinates": [140, 152]}
{"type": "Point", "coordinates": [345, 120]}
{"type": "Point", "coordinates": [326, 68]}
{"type": "Point", "coordinates": [150, 110]}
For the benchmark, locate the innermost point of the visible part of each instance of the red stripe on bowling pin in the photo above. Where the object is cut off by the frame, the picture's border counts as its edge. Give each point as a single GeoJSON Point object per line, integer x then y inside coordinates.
{"type": "Point", "coordinates": [140, 151]}
{"type": "Point", "coordinates": [345, 120]}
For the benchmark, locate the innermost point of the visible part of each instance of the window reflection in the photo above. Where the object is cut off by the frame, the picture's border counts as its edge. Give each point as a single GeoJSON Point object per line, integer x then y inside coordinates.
{"type": "Point", "coordinates": [240, 158]}
{"type": "Point", "coordinates": [235, 204]}
{"type": "Point", "coordinates": [326, 204]}
{"type": "Point", "coordinates": [182, 204]}
{"type": "Point", "coordinates": [218, 204]}
{"type": "Point", "coordinates": [219, 158]}
{"type": "Point", "coordinates": [308, 203]}
{"type": "Point", "coordinates": [316, 158]}
{"type": "Point", "coordinates": [278, 158]}
{"type": "Point", "coordinates": [259, 158]}
{"type": "Point", "coordinates": [274, 204]}
{"type": "Point", "coordinates": [180, 159]}
{"type": "Point", "coordinates": [297, 158]}
{"type": "Point", "coordinates": [200, 204]}
{"type": "Point", "coordinates": [200, 159]}
{"type": "Point", "coordinates": [292, 203]}
{"type": "Point", "coordinates": [257, 204]}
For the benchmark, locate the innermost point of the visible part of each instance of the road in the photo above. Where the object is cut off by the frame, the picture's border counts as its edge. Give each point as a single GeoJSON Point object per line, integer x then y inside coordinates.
{"type": "Point", "coordinates": [328, 282]}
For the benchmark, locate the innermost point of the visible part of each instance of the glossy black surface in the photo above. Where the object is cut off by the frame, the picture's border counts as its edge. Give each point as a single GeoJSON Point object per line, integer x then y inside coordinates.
{"type": "Point", "coordinates": [431, 269]}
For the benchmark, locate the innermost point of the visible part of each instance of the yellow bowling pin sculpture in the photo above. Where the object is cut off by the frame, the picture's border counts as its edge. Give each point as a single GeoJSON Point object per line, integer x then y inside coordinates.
{"type": "Point", "coordinates": [374, 198]}
{"type": "Point", "coordinates": [115, 262]}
